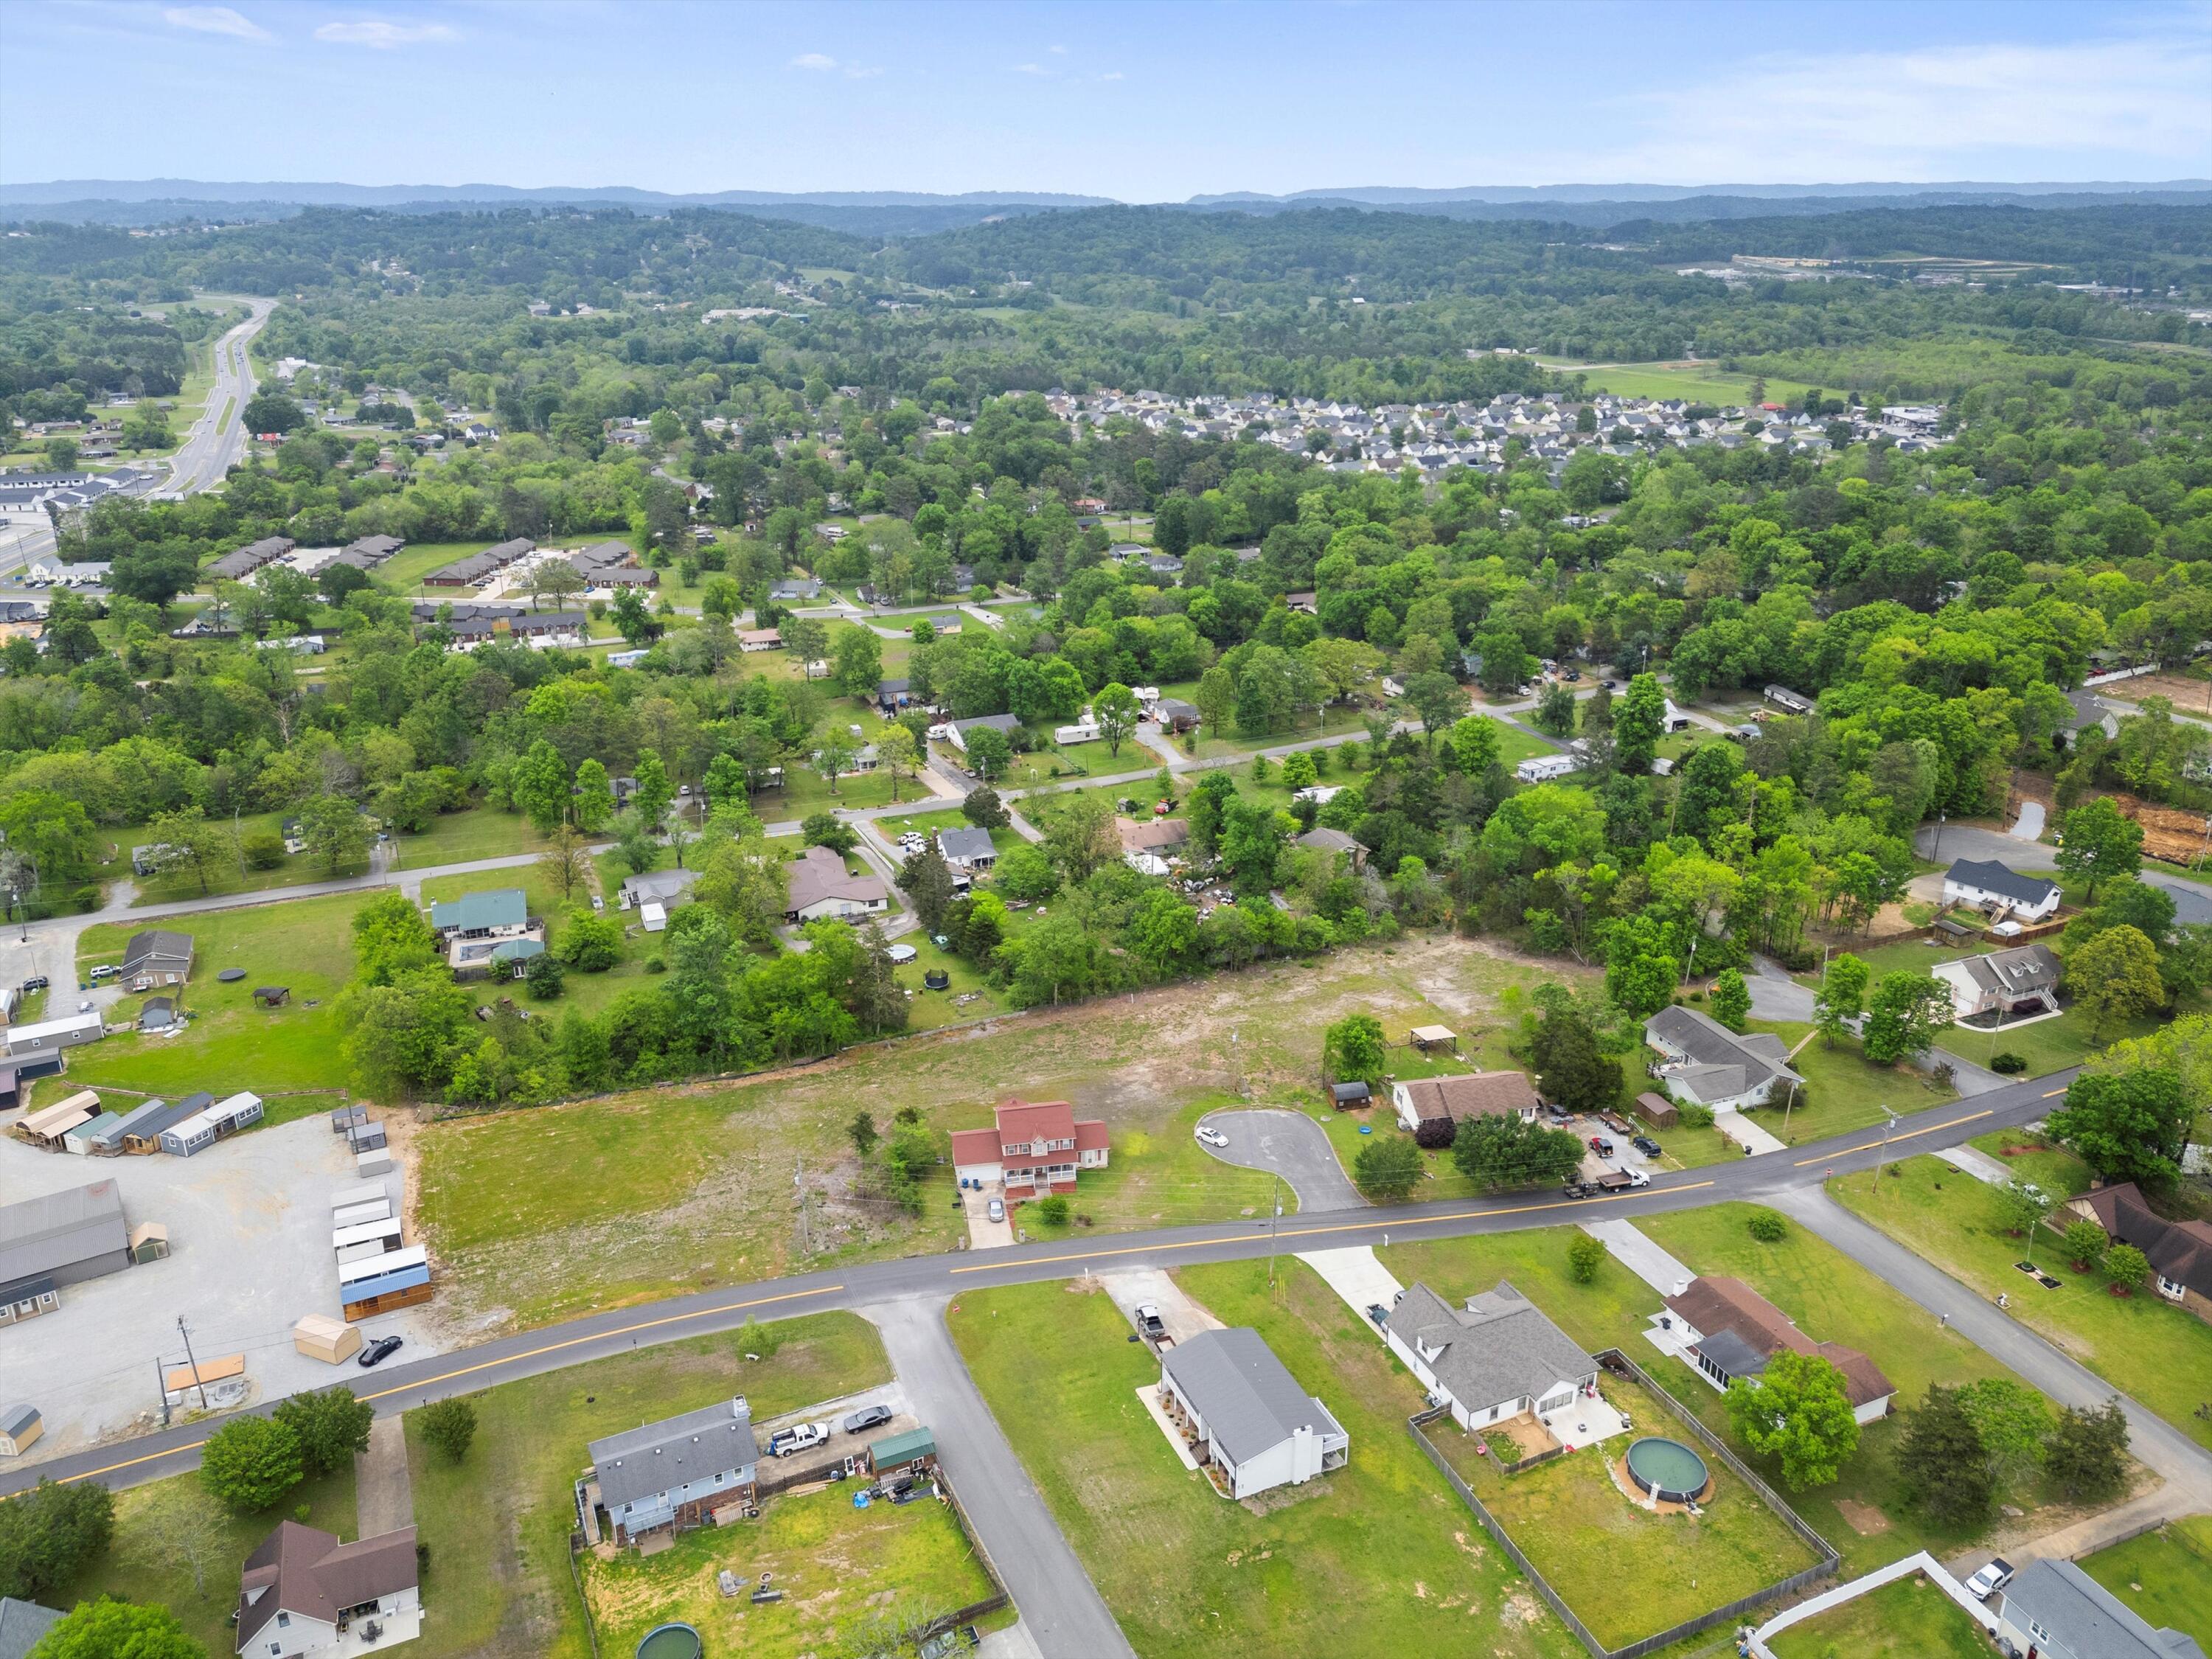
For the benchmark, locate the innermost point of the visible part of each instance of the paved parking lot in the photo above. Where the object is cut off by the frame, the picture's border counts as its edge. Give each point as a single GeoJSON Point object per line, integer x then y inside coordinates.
{"type": "Point", "coordinates": [249, 1222]}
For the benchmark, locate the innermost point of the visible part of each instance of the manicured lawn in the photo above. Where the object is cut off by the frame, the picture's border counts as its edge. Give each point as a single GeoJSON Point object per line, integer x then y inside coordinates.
{"type": "Point", "coordinates": [839, 1568]}
{"type": "Point", "coordinates": [464, 838]}
{"type": "Point", "coordinates": [1575, 1526]}
{"type": "Point", "coordinates": [1378, 1558]}
{"type": "Point", "coordinates": [497, 1524]}
{"type": "Point", "coordinates": [1697, 382]}
{"type": "Point", "coordinates": [2047, 1045]}
{"type": "Point", "coordinates": [1906, 1618]}
{"type": "Point", "coordinates": [2143, 1344]}
{"type": "Point", "coordinates": [1830, 1296]}
{"type": "Point", "coordinates": [2054, 1168]}
{"type": "Point", "coordinates": [804, 790]}
{"type": "Point", "coordinates": [2165, 1575]}
{"type": "Point", "coordinates": [404, 571]}
{"type": "Point", "coordinates": [1161, 1178]}
{"type": "Point", "coordinates": [230, 1044]}
{"type": "Point", "coordinates": [1842, 1091]}
{"type": "Point", "coordinates": [1912, 956]}
{"type": "Point", "coordinates": [135, 1567]}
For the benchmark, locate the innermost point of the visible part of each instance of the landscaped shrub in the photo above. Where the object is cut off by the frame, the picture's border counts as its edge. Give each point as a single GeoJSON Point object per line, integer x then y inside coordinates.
{"type": "Point", "coordinates": [264, 849]}
{"type": "Point", "coordinates": [1435, 1133]}
{"type": "Point", "coordinates": [1697, 1115]}
{"type": "Point", "coordinates": [1767, 1227]}
{"type": "Point", "coordinates": [2008, 1063]}
{"type": "Point", "coordinates": [1053, 1210]}
{"type": "Point", "coordinates": [1584, 1256]}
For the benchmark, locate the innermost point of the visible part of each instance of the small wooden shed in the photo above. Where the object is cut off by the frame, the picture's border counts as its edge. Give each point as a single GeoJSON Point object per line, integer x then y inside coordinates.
{"type": "Point", "coordinates": [20, 1427]}
{"type": "Point", "coordinates": [1657, 1111]}
{"type": "Point", "coordinates": [319, 1336]}
{"type": "Point", "coordinates": [913, 1452]}
{"type": "Point", "coordinates": [150, 1242]}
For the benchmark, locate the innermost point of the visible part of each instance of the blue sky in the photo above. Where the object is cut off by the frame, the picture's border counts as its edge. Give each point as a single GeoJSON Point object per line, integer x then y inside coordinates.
{"type": "Point", "coordinates": [1144, 102]}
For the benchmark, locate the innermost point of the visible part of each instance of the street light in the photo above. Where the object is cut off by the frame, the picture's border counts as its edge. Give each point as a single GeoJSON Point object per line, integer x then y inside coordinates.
{"type": "Point", "coordinates": [1889, 1123]}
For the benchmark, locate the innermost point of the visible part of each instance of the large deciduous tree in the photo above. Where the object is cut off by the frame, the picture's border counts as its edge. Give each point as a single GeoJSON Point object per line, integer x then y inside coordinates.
{"type": "Point", "coordinates": [1797, 1412]}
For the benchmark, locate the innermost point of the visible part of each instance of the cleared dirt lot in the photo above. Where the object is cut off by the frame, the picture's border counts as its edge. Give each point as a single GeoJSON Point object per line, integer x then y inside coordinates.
{"type": "Point", "coordinates": [249, 1224]}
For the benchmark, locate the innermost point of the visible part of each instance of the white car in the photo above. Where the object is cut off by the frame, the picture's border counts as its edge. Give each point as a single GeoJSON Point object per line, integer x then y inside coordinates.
{"type": "Point", "coordinates": [1990, 1580]}
{"type": "Point", "coordinates": [1212, 1137]}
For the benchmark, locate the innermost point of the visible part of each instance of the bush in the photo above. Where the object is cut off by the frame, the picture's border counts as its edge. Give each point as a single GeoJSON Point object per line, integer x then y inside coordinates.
{"type": "Point", "coordinates": [1584, 1256]}
{"type": "Point", "coordinates": [2008, 1064]}
{"type": "Point", "coordinates": [827, 830]}
{"type": "Point", "coordinates": [1386, 1166]}
{"type": "Point", "coordinates": [1435, 1133]}
{"type": "Point", "coordinates": [264, 849]}
{"type": "Point", "coordinates": [1053, 1210]}
{"type": "Point", "coordinates": [656, 964]}
{"type": "Point", "coordinates": [2084, 1244]}
{"type": "Point", "coordinates": [544, 976]}
{"type": "Point", "coordinates": [1767, 1227]}
{"type": "Point", "coordinates": [449, 1426]}
{"type": "Point", "coordinates": [1698, 1116]}
{"type": "Point", "coordinates": [589, 942]}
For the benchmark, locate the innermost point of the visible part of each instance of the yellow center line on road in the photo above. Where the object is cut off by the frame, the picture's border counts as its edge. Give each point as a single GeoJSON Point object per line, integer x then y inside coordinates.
{"type": "Point", "coordinates": [1308, 1232]}
{"type": "Point", "coordinates": [2047, 1093]}
{"type": "Point", "coordinates": [1870, 1145]}
{"type": "Point", "coordinates": [491, 1365]}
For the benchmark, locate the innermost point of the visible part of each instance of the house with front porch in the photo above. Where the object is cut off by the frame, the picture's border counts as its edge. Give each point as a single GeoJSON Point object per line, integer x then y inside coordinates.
{"type": "Point", "coordinates": [1244, 1414]}
{"type": "Point", "coordinates": [1037, 1148]}
{"type": "Point", "coordinates": [2180, 1252]}
{"type": "Point", "coordinates": [1493, 1359]}
{"type": "Point", "coordinates": [489, 932]}
{"type": "Point", "coordinates": [1700, 1060]}
{"type": "Point", "coordinates": [2003, 985]}
{"type": "Point", "coordinates": [304, 1594]}
{"type": "Point", "coordinates": [672, 1475]}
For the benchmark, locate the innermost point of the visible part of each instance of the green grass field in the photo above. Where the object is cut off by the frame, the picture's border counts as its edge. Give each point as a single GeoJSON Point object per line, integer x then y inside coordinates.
{"type": "Point", "coordinates": [1697, 382]}
{"type": "Point", "coordinates": [2047, 1045]}
{"type": "Point", "coordinates": [2165, 1575]}
{"type": "Point", "coordinates": [233, 877]}
{"type": "Point", "coordinates": [1906, 1618]}
{"type": "Point", "coordinates": [305, 944]}
{"type": "Point", "coordinates": [497, 1524]}
{"type": "Point", "coordinates": [1830, 1296]}
{"type": "Point", "coordinates": [1576, 1527]}
{"type": "Point", "coordinates": [840, 1569]}
{"type": "Point", "coordinates": [1378, 1558]}
{"type": "Point", "coordinates": [2054, 1168]}
{"type": "Point", "coordinates": [2141, 1343]}
{"type": "Point", "coordinates": [1842, 1091]}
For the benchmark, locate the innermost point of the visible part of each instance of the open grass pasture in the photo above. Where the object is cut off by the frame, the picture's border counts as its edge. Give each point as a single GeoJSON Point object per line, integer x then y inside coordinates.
{"type": "Point", "coordinates": [1906, 1618]}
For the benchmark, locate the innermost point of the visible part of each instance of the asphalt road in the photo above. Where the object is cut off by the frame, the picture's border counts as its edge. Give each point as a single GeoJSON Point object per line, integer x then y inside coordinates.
{"type": "Point", "coordinates": [216, 441]}
{"type": "Point", "coordinates": [1290, 1145]}
{"type": "Point", "coordinates": [403, 1387]}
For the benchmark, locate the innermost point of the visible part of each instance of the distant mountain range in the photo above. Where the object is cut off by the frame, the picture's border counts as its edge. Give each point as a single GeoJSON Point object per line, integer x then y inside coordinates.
{"type": "Point", "coordinates": [892, 213]}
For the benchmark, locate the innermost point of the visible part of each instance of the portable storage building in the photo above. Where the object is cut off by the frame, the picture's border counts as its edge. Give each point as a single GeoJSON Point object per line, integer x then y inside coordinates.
{"type": "Point", "coordinates": [93, 1134]}
{"type": "Point", "coordinates": [367, 1192]}
{"type": "Point", "coordinates": [354, 1214]}
{"type": "Point", "coordinates": [19, 1425]}
{"type": "Point", "coordinates": [368, 1252]}
{"type": "Point", "coordinates": [373, 1163]}
{"type": "Point", "coordinates": [319, 1336]}
{"type": "Point", "coordinates": [386, 1233]}
{"type": "Point", "coordinates": [150, 1242]}
{"type": "Point", "coordinates": [181, 1381]}
{"type": "Point", "coordinates": [47, 1128]}
{"type": "Point", "coordinates": [367, 1138]}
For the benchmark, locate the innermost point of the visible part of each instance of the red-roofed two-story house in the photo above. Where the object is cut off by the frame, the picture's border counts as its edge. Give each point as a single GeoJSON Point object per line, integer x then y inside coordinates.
{"type": "Point", "coordinates": [1036, 1149]}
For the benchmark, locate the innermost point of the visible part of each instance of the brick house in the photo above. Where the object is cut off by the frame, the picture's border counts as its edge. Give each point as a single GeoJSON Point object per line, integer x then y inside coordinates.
{"type": "Point", "coordinates": [1036, 1149]}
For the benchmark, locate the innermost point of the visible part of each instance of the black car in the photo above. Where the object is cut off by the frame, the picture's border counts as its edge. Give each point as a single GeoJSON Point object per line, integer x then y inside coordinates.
{"type": "Point", "coordinates": [378, 1351]}
{"type": "Point", "coordinates": [37, 982]}
{"type": "Point", "coordinates": [867, 1418]}
{"type": "Point", "coordinates": [1646, 1145]}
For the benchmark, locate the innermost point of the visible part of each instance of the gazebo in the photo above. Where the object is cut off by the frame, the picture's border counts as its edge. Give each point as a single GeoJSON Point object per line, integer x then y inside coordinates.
{"type": "Point", "coordinates": [1429, 1038]}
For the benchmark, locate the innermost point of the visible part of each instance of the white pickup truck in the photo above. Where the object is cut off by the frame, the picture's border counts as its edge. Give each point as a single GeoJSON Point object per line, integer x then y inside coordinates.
{"type": "Point", "coordinates": [800, 1437]}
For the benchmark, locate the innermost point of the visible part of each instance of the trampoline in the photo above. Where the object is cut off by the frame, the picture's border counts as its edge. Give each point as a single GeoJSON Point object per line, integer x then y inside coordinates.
{"type": "Point", "coordinates": [1666, 1470]}
{"type": "Point", "coordinates": [231, 975]}
{"type": "Point", "coordinates": [675, 1640]}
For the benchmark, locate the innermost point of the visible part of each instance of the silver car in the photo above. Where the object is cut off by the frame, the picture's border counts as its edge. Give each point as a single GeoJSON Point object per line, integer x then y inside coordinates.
{"type": "Point", "coordinates": [996, 1209]}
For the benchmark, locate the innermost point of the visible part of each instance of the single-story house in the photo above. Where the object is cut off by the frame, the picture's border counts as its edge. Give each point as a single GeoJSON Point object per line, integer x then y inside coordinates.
{"type": "Point", "coordinates": [2053, 1610]}
{"type": "Point", "coordinates": [760, 639]}
{"type": "Point", "coordinates": [1789, 701]}
{"type": "Point", "coordinates": [1444, 1102]}
{"type": "Point", "coordinates": [1497, 1357]}
{"type": "Point", "coordinates": [665, 887]}
{"type": "Point", "coordinates": [2180, 1252]}
{"type": "Point", "coordinates": [1335, 841]}
{"type": "Point", "coordinates": [56, 1239]}
{"type": "Point", "coordinates": [1157, 839]}
{"type": "Point", "coordinates": [1246, 1414]}
{"type": "Point", "coordinates": [1543, 768]}
{"type": "Point", "coordinates": [971, 850]}
{"type": "Point", "coordinates": [238, 565]}
{"type": "Point", "coordinates": [65, 1031]}
{"type": "Point", "coordinates": [819, 885]}
{"type": "Point", "coordinates": [474, 926]}
{"type": "Point", "coordinates": [22, 1623]}
{"type": "Point", "coordinates": [892, 696]}
{"type": "Point", "coordinates": [1727, 1330]}
{"type": "Point", "coordinates": [674, 1473]}
{"type": "Point", "coordinates": [1700, 1060]}
{"type": "Point", "coordinates": [958, 734]}
{"type": "Point", "coordinates": [1174, 714]}
{"type": "Point", "coordinates": [304, 1593]}
{"type": "Point", "coordinates": [468, 572]}
{"type": "Point", "coordinates": [1989, 885]}
{"type": "Point", "coordinates": [2010, 984]}
{"type": "Point", "coordinates": [1036, 1149]}
{"type": "Point", "coordinates": [793, 589]}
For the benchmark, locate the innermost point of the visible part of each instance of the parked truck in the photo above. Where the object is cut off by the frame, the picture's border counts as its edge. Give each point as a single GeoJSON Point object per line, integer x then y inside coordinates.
{"type": "Point", "coordinates": [1613, 1181]}
{"type": "Point", "coordinates": [1151, 1325]}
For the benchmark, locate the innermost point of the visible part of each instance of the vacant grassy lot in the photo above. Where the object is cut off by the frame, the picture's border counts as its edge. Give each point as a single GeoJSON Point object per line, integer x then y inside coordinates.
{"type": "Point", "coordinates": [138, 1566]}
{"type": "Point", "coordinates": [2047, 1045]}
{"type": "Point", "coordinates": [2165, 1575]}
{"type": "Point", "coordinates": [691, 1185]}
{"type": "Point", "coordinates": [1379, 1558]}
{"type": "Point", "coordinates": [2141, 1343]}
{"type": "Point", "coordinates": [1698, 382]}
{"type": "Point", "coordinates": [840, 1569]}
{"type": "Point", "coordinates": [2054, 1168]}
{"type": "Point", "coordinates": [1908, 1619]}
{"type": "Point", "coordinates": [306, 944]}
{"type": "Point", "coordinates": [233, 877]}
{"type": "Point", "coordinates": [1573, 1523]}
{"type": "Point", "coordinates": [497, 1525]}
{"type": "Point", "coordinates": [1830, 1296]}
{"type": "Point", "coordinates": [1842, 1091]}
{"type": "Point", "coordinates": [464, 838]}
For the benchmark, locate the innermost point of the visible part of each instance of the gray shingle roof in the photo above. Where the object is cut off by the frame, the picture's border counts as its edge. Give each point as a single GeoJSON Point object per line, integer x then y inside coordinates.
{"type": "Point", "coordinates": [1992, 876]}
{"type": "Point", "coordinates": [22, 1625]}
{"type": "Point", "coordinates": [1500, 1346]}
{"type": "Point", "coordinates": [2015, 972]}
{"type": "Point", "coordinates": [1721, 1064]}
{"type": "Point", "coordinates": [698, 1445]}
{"type": "Point", "coordinates": [1250, 1402]}
{"type": "Point", "coordinates": [2085, 1620]}
{"type": "Point", "coordinates": [157, 948]}
{"type": "Point", "coordinates": [966, 845]}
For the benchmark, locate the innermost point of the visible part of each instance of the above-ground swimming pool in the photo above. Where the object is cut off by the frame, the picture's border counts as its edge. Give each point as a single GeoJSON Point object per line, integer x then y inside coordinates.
{"type": "Point", "coordinates": [1667, 1469]}
{"type": "Point", "coordinates": [670, 1641]}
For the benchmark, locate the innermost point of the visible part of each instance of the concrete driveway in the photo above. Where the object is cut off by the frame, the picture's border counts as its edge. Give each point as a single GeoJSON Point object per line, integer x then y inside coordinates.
{"type": "Point", "coordinates": [1290, 1145]}
{"type": "Point", "coordinates": [983, 1233]}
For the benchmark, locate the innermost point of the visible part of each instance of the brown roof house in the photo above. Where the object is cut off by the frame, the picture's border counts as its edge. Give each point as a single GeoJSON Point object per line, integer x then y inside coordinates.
{"type": "Point", "coordinates": [305, 1593]}
{"type": "Point", "coordinates": [2180, 1252]}
{"type": "Point", "coordinates": [1726, 1330]}
{"type": "Point", "coordinates": [819, 885]}
{"type": "Point", "coordinates": [1149, 845]}
{"type": "Point", "coordinates": [1431, 1108]}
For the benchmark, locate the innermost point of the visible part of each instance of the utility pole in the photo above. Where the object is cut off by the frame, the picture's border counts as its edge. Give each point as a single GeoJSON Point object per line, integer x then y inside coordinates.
{"type": "Point", "coordinates": [161, 1390]}
{"type": "Point", "coordinates": [193, 1363]}
{"type": "Point", "coordinates": [1274, 1212]}
{"type": "Point", "coordinates": [1889, 1122]}
{"type": "Point", "coordinates": [798, 1179]}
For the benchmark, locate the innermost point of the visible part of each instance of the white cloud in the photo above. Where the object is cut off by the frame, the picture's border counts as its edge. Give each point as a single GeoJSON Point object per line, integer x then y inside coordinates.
{"type": "Point", "coordinates": [1113, 75]}
{"type": "Point", "coordinates": [214, 20]}
{"type": "Point", "coordinates": [823, 64]}
{"type": "Point", "coordinates": [857, 72]}
{"type": "Point", "coordinates": [2120, 105]}
{"type": "Point", "coordinates": [1031, 69]}
{"type": "Point", "coordinates": [814, 60]}
{"type": "Point", "coordinates": [1057, 51]}
{"type": "Point", "coordinates": [383, 36]}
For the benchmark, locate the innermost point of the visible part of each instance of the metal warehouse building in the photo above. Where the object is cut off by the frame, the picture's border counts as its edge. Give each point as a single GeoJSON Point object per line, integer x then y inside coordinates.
{"type": "Point", "coordinates": [63, 1238]}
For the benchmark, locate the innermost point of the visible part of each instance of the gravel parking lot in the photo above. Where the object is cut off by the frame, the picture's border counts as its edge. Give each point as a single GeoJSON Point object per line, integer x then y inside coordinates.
{"type": "Point", "coordinates": [249, 1222]}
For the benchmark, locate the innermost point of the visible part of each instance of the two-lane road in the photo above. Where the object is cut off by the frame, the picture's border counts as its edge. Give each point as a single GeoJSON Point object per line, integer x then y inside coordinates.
{"type": "Point", "coordinates": [403, 1387]}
